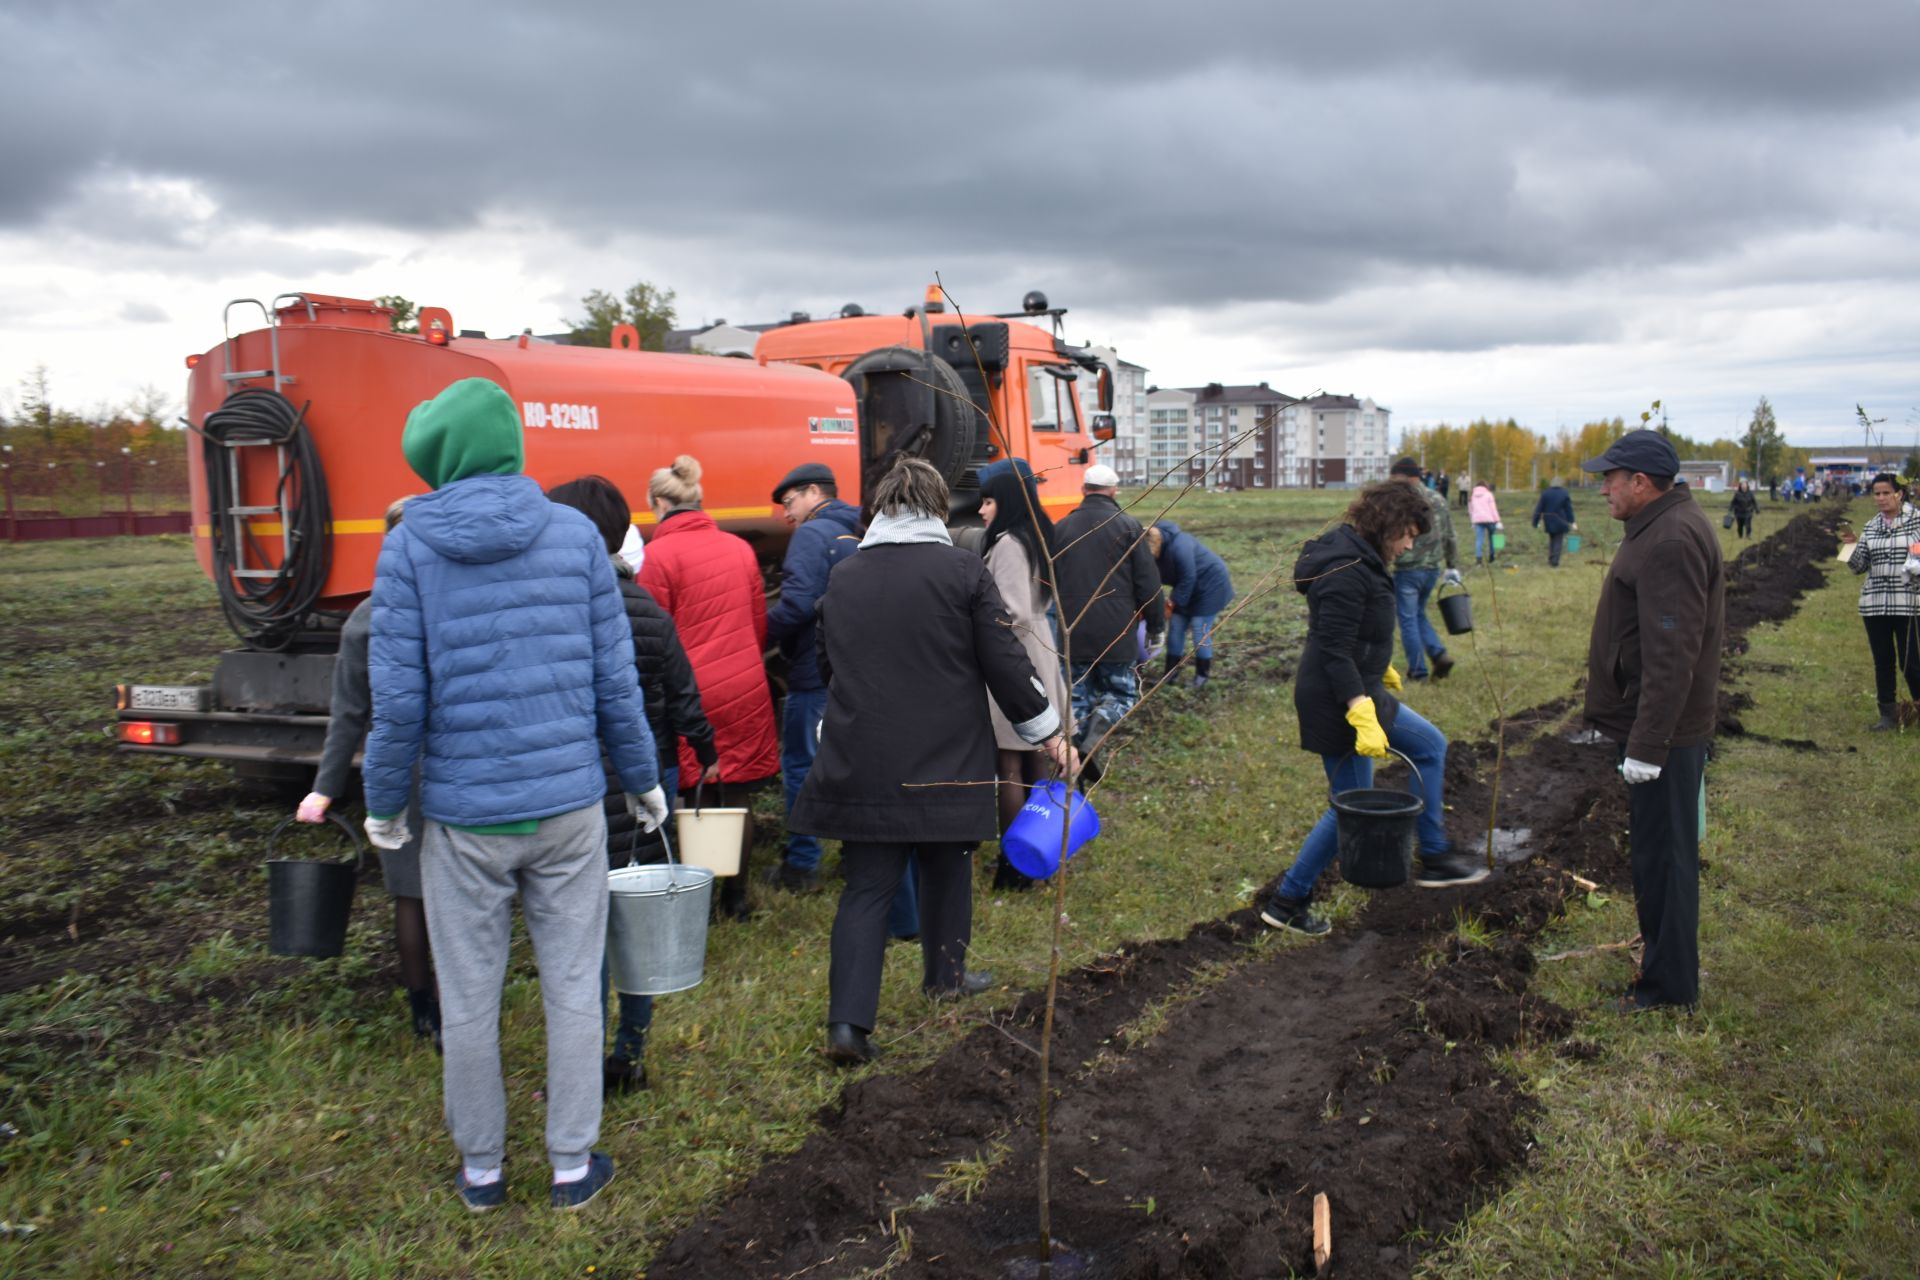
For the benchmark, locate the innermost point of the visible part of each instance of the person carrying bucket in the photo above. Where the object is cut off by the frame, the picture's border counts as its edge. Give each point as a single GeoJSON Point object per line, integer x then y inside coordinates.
{"type": "Point", "coordinates": [1484, 512]}
{"type": "Point", "coordinates": [1554, 509]}
{"type": "Point", "coordinates": [500, 662]}
{"type": "Point", "coordinates": [1417, 572]}
{"type": "Point", "coordinates": [348, 715]}
{"type": "Point", "coordinates": [914, 637]}
{"type": "Point", "coordinates": [1343, 694]}
{"type": "Point", "coordinates": [672, 700]}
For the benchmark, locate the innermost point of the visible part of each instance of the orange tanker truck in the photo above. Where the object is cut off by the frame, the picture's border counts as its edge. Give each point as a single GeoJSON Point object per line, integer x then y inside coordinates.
{"type": "Point", "coordinates": [299, 421]}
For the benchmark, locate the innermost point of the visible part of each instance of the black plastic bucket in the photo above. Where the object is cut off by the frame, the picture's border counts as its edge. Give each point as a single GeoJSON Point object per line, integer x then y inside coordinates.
{"type": "Point", "coordinates": [1456, 611]}
{"type": "Point", "coordinates": [1378, 833]}
{"type": "Point", "coordinates": [308, 903]}
{"type": "Point", "coordinates": [1377, 836]}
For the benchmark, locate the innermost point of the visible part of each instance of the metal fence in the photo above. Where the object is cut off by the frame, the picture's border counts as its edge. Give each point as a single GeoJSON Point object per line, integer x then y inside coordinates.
{"type": "Point", "coordinates": [97, 492]}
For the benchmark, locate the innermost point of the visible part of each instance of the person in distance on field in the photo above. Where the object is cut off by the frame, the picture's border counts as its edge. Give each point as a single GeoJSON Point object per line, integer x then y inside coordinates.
{"type": "Point", "coordinates": [1743, 506]}
{"type": "Point", "coordinates": [672, 702]}
{"type": "Point", "coordinates": [1198, 588]}
{"type": "Point", "coordinates": [708, 581]}
{"type": "Point", "coordinates": [1344, 690]}
{"type": "Point", "coordinates": [1484, 512]}
{"type": "Point", "coordinates": [1417, 572]}
{"type": "Point", "coordinates": [1555, 510]}
{"type": "Point", "coordinates": [347, 720]}
{"type": "Point", "coordinates": [826, 531]}
{"type": "Point", "coordinates": [915, 638]}
{"type": "Point", "coordinates": [1890, 596]}
{"type": "Point", "coordinates": [501, 662]}
{"type": "Point", "coordinates": [1653, 677]}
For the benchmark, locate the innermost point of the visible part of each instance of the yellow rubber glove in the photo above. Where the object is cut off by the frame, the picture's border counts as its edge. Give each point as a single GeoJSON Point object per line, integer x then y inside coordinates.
{"type": "Point", "coordinates": [1369, 738]}
{"type": "Point", "coordinates": [1391, 679]}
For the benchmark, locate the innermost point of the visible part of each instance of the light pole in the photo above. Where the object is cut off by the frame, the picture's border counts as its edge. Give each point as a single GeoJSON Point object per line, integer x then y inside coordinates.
{"type": "Point", "coordinates": [126, 468]}
{"type": "Point", "coordinates": [6, 478]}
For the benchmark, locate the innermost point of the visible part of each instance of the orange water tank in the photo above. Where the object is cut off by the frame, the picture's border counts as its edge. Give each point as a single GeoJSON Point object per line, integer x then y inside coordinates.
{"type": "Point", "coordinates": [615, 412]}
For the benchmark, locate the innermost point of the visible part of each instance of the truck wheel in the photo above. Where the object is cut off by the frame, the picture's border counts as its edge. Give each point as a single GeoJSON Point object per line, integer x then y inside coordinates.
{"type": "Point", "coordinates": [891, 384]}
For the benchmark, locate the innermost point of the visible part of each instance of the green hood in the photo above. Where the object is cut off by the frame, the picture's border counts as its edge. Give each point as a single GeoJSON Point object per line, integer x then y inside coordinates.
{"type": "Point", "coordinates": [470, 429]}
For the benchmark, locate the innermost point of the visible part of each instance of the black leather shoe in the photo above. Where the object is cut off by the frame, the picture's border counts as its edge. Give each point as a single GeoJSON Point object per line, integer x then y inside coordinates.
{"type": "Point", "coordinates": [622, 1075]}
{"type": "Point", "coordinates": [971, 984]}
{"type": "Point", "coordinates": [847, 1045]}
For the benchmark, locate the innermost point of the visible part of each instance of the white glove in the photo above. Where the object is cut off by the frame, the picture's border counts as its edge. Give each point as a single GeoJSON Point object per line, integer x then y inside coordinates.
{"type": "Point", "coordinates": [649, 808]}
{"type": "Point", "coordinates": [1635, 772]}
{"type": "Point", "coordinates": [388, 833]}
{"type": "Point", "coordinates": [1451, 578]}
{"type": "Point", "coordinates": [1912, 567]}
{"type": "Point", "coordinates": [313, 808]}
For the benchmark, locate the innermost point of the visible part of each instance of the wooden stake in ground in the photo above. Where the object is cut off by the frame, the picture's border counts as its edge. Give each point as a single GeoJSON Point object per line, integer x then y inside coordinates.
{"type": "Point", "coordinates": [1322, 1232]}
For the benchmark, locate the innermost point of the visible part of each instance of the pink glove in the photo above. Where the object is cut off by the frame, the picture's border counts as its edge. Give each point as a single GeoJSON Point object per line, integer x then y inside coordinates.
{"type": "Point", "coordinates": [313, 808]}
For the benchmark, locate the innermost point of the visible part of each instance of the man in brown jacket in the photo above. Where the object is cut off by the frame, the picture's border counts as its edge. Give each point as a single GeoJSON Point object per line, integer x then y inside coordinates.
{"type": "Point", "coordinates": [1653, 676]}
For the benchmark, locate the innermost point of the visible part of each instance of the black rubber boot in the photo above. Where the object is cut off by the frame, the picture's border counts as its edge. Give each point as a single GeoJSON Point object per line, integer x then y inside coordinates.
{"type": "Point", "coordinates": [1887, 718]}
{"type": "Point", "coordinates": [426, 1015]}
{"type": "Point", "coordinates": [1202, 672]}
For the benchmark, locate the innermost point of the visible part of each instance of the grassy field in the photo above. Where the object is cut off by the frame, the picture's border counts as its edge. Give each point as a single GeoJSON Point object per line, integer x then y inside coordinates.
{"type": "Point", "coordinates": [184, 1104]}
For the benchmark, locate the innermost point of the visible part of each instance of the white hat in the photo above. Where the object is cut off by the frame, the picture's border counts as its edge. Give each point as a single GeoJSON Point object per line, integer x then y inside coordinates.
{"type": "Point", "coordinates": [1101, 476]}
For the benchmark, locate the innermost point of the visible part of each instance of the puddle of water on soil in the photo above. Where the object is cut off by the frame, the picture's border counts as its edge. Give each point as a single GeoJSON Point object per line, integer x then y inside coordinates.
{"type": "Point", "coordinates": [1512, 844]}
{"type": "Point", "coordinates": [1067, 1264]}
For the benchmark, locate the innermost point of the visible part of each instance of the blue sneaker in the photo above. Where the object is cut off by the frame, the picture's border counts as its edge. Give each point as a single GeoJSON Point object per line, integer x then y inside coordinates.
{"type": "Point", "coordinates": [575, 1195]}
{"type": "Point", "coordinates": [480, 1199]}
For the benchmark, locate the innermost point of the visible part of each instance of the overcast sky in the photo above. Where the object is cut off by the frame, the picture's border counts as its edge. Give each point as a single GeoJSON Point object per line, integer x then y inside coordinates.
{"type": "Point", "coordinates": [1556, 210]}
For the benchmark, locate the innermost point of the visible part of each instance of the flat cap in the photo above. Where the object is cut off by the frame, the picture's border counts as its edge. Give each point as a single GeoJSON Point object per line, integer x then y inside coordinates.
{"type": "Point", "coordinates": [804, 474]}
{"type": "Point", "coordinates": [1405, 467]}
{"type": "Point", "coordinates": [1642, 450]}
{"type": "Point", "coordinates": [1019, 466]}
{"type": "Point", "coordinates": [1101, 476]}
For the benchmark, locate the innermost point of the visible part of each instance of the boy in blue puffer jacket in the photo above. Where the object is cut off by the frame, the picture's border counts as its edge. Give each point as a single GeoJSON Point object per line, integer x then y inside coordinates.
{"type": "Point", "coordinates": [501, 659]}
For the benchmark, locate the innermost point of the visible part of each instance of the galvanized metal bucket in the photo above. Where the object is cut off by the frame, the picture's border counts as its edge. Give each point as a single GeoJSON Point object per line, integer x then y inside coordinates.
{"type": "Point", "coordinates": [657, 925]}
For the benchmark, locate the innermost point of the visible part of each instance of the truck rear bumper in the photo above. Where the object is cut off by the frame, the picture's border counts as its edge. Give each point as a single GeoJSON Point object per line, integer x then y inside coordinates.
{"type": "Point", "coordinates": [236, 736]}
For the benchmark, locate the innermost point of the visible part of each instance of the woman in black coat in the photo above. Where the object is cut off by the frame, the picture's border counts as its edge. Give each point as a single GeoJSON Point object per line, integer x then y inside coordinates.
{"type": "Point", "coordinates": [913, 636]}
{"type": "Point", "coordinates": [1348, 716]}
{"type": "Point", "coordinates": [672, 701]}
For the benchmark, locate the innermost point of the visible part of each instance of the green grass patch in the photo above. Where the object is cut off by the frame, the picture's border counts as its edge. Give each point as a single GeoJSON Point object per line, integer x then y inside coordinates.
{"type": "Point", "coordinates": [187, 1105]}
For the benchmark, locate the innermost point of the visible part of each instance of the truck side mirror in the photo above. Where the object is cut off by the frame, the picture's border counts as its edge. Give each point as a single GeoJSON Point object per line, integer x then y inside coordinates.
{"type": "Point", "coordinates": [1105, 384]}
{"type": "Point", "coordinates": [1102, 427]}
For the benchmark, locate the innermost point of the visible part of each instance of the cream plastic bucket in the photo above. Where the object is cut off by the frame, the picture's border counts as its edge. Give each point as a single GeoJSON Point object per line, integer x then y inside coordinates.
{"type": "Point", "coordinates": [710, 838]}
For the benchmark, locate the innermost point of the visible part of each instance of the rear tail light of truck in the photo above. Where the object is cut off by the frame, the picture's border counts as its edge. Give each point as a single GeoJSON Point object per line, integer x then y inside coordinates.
{"type": "Point", "coordinates": [149, 733]}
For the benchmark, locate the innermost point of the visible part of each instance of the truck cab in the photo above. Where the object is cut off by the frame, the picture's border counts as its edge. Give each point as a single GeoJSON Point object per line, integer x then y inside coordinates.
{"type": "Point", "coordinates": [960, 390]}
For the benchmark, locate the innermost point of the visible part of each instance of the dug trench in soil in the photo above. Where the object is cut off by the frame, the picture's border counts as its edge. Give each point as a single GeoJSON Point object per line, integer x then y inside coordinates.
{"type": "Point", "coordinates": [1354, 1067]}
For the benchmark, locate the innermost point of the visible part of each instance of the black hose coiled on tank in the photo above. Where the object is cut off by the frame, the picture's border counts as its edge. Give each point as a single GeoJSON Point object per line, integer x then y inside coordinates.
{"type": "Point", "coordinates": [268, 613]}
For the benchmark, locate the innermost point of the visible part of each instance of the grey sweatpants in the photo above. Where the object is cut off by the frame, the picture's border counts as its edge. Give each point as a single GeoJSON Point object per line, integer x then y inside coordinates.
{"type": "Point", "coordinates": [560, 873]}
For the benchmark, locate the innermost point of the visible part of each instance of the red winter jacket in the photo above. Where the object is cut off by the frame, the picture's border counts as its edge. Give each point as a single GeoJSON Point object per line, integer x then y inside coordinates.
{"type": "Point", "coordinates": [709, 582]}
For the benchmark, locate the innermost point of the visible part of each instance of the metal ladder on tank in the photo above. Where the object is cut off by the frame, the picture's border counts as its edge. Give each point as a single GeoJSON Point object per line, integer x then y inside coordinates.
{"type": "Point", "coordinates": [236, 518]}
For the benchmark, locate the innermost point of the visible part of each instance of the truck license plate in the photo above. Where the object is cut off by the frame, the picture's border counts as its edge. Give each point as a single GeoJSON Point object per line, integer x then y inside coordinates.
{"type": "Point", "coordinates": [167, 697]}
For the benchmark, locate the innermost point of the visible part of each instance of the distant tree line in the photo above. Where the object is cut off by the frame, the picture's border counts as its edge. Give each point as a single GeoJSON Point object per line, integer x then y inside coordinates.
{"type": "Point", "coordinates": [1515, 456]}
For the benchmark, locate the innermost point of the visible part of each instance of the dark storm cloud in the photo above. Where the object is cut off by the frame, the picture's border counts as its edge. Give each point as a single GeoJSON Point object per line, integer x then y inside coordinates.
{"type": "Point", "coordinates": [1197, 154]}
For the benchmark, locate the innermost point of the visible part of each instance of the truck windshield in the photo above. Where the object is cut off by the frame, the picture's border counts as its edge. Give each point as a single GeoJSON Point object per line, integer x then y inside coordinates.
{"type": "Point", "coordinates": [1052, 403]}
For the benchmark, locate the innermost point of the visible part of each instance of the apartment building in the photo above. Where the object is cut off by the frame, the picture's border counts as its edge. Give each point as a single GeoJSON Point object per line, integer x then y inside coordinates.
{"type": "Point", "coordinates": [1337, 440]}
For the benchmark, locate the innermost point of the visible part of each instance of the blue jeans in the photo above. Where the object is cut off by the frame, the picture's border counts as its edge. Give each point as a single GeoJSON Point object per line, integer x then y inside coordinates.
{"type": "Point", "coordinates": [1482, 541]}
{"type": "Point", "coordinates": [799, 741]}
{"type": "Point", "coordinates": [1201, 626]}
{"type": "Point", "coordinates": [1420, 742]}
{"type": "Point", "coordinates": [636, 1012]}
{"type": "Point", "coordinates": [1411, 587]}
{"type": "Point", "coordinates": [1112, 687]}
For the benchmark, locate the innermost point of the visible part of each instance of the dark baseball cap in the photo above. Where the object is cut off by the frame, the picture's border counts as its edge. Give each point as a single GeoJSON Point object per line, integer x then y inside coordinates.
{"type": "Point", "coordinates": [805, 474]}
{"type": "Point", "coordinates": [1642, 450]}
{"type": "Point", "coordinates": [1405, 467]}
{"type": "Point", "coordinates": [1019, 466]}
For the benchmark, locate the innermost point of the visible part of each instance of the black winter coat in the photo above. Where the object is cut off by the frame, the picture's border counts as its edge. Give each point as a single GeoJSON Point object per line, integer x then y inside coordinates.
{"type": "Point", "coordinates": [672, 700]}
{"type": "Point", "coordinates": [1350, 636]}
{"type": "Point", "coordinates": [913, 637]}
{"type": "Point", "coordinates": [1089, 544]}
